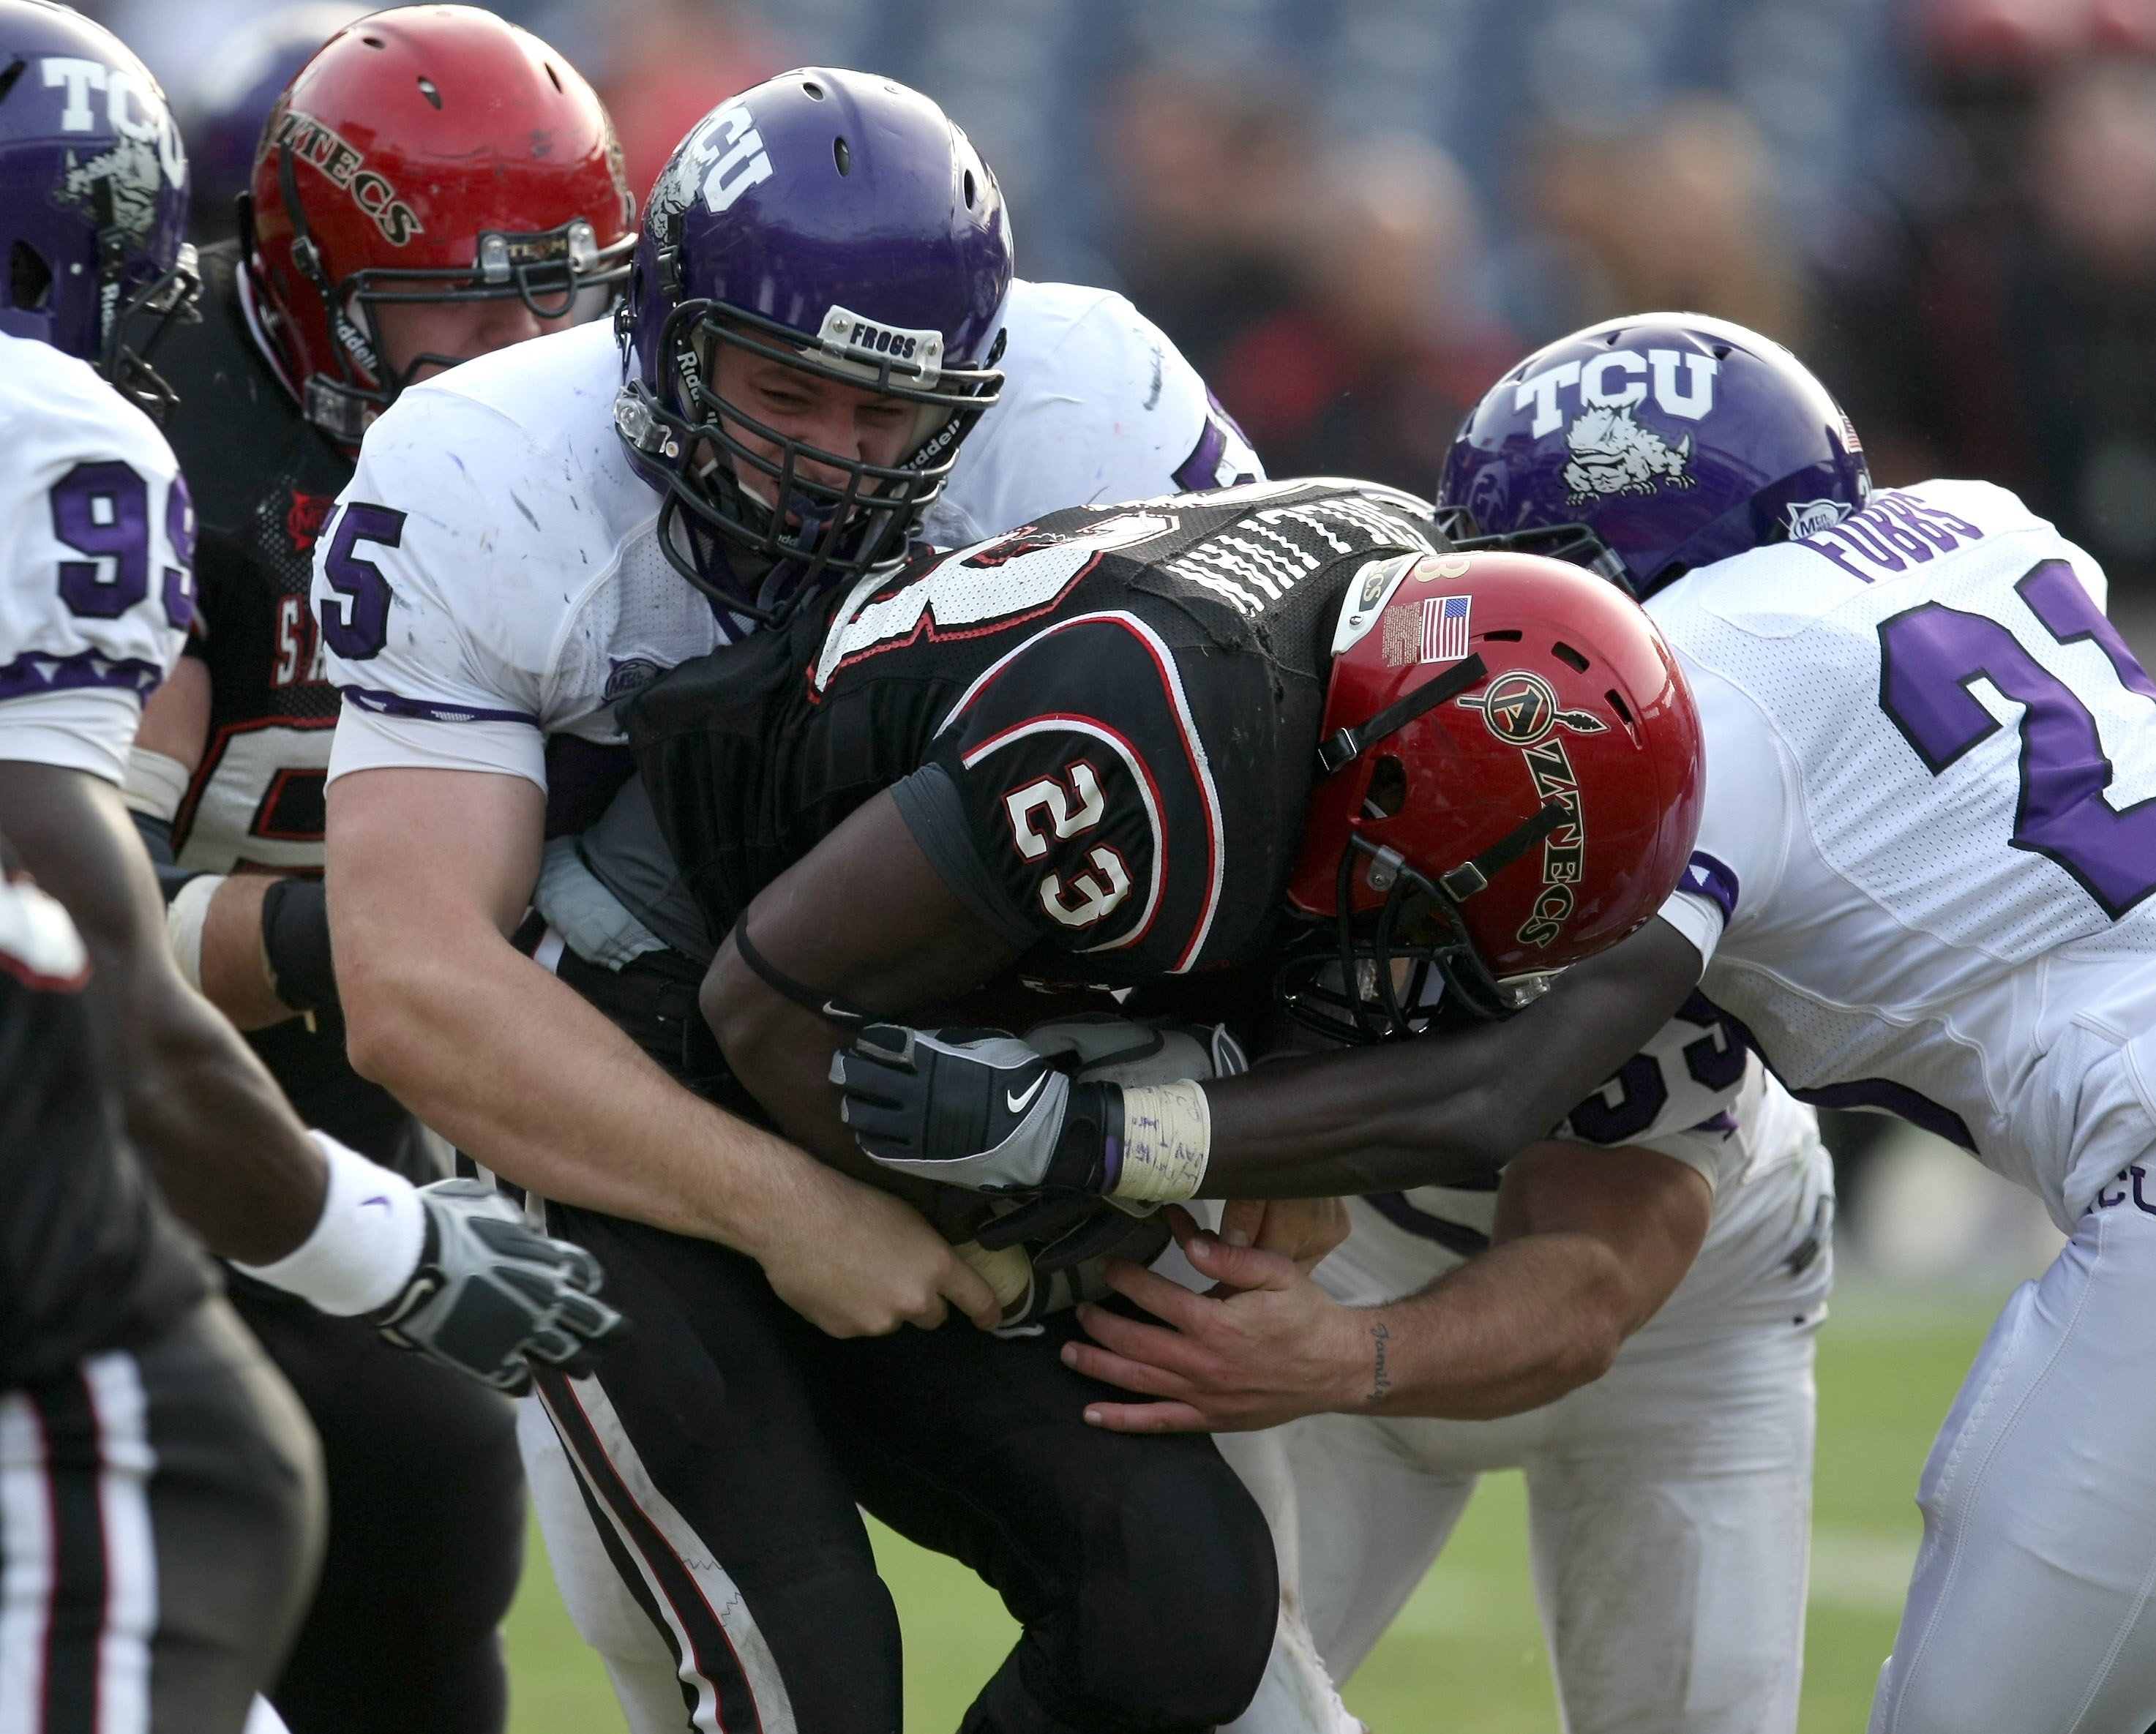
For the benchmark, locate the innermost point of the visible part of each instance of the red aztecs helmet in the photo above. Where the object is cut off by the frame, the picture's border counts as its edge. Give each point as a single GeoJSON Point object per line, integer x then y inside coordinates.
{"type": "Point", "coordinates": [1510, 777]}
{"type": "Point", "coordinates": [428, 153]}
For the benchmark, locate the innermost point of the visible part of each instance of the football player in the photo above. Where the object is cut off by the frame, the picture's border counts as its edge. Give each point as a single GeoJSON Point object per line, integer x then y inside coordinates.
{"type": "Point", "coordinates": [162, 1516]}
{"type": "Point", "coordinates": [1921, 885]}
{"type": "Point", "coordinates": [1676, 1460]}
{"type": "Point", "coordinates": [1709, 1482]}
{"type": "Point", "coordinates": [489, 207]}
{"type": "Point", "coordinates": [96, 589]}
{"type": "Point", "coordinates": [823, 280]}
{"type": "Point", "coordinates": [1003, 756]}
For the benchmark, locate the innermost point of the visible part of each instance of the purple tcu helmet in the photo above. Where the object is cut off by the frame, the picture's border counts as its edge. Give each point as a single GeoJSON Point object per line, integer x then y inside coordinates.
{"type": "Point", "coordinates": [840, 224]}
{"type": "Point", "coordinates": [1647, 446]}
{"type": "Point", "coordinates": [93, 196]}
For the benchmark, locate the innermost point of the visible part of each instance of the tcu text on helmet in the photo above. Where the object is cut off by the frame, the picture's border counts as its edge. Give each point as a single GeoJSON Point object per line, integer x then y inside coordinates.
{"type": "Point", "coordinates": [133, 112]}
{"type": "Point", "coordinates": [1617, 377]}
{"type": "Point", "coordinates": [729, 135]}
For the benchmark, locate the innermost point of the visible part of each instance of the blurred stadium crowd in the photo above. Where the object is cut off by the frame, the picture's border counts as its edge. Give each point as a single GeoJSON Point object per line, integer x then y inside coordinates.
{"type": "Point", "coordinates": [1349, 213]}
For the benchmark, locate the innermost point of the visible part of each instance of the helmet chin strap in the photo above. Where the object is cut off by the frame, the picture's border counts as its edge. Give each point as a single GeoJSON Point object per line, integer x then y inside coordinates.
{"type": "Point", "coordinates": [1344, 746]}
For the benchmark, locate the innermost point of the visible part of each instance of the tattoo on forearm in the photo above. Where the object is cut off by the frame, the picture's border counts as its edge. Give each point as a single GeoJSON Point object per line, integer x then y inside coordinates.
{"type": "Point", "coordinates": [1381, 1380]}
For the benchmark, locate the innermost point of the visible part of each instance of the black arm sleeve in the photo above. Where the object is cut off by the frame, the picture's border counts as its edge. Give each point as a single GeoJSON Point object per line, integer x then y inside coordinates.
{"type": "Point", "coordinates": [295, 939]}
{"type": "Point", "coordinates": [929, 802]}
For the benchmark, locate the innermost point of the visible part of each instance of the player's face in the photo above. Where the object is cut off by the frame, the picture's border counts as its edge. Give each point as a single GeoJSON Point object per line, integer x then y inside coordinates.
{"type": "Point", "coordinates": [459, 328]}
{"type": "Point", "coordinates": [847, 421]}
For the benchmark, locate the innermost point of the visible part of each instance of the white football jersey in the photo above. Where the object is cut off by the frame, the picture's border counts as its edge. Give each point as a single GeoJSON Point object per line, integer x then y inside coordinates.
{"type": "Point", "coordinates": [493, 576]}
{"type": "Point", "coordinates": [1928, 836]}
{"type": "Point", "coordinates": [96, 562]}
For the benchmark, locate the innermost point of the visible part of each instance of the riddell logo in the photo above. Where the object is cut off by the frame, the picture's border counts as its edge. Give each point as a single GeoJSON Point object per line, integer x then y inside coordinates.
{"type": "Point", "coordinates": [313, 143]}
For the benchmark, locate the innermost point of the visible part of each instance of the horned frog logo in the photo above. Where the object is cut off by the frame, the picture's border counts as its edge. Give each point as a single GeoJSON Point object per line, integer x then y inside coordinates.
{"type": "Point", "coordinates": [131, 170]}
{"type": "Point", "coordinates": [1613, 454]}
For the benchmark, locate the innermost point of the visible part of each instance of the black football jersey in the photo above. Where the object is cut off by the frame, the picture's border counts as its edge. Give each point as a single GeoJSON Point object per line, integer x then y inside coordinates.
{"type": "Point", "coordinates": [264, 480]}
{"type": "Point", "coordinates": [88, 1259]}
{"type": "Point", "coordinates": [1101, 728]}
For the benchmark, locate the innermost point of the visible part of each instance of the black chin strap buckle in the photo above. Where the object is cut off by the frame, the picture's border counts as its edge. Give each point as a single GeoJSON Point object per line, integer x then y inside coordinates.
{"type": "Point", "coordinates": [1471, 876]}
{"type": "Point", "coordinates": [1336, 751]}
{"type": "Point", "coordinates": [1342, 747]}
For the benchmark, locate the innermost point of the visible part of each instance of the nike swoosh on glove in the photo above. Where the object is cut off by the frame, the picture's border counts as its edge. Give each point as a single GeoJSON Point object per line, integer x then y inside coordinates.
{"type": "Point", "coordinates": [973, 1108]}
{"type": "Point", "coordinates": [490, 1289]}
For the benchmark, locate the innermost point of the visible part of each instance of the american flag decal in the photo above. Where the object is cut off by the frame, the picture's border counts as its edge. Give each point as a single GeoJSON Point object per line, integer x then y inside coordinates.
{"type": "Point", "coordinates": [1444, 628]}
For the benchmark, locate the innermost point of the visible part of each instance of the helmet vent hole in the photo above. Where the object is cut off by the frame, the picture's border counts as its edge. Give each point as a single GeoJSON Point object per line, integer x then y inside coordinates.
{"type": "Point", "coordinates": [1617, 703]}
{"type": "Point", "coordinates": [554, 79]}
{"type": "Point", "coordinates": [1504, 635]}
{"type": "Point", "coordinates": [842, 153]}
{"type": "Point", "coordinates": [16, 68]}
{"type": "Point", "coordinates": [1388, 788]}
{"type": "Point", "coordinates": [374, 42]}
{"type": "Point", "coordinates": [428, 90]}
{"type": "Point", "coordinates": [814, 90]}
{"type": "Point", "coordinates": [29, 278]}
{"type": "Point", "coordinates": [969, 189]}
{"type": "Point", "coordinates": [1565, 654]}
{"type": "Point", "coordinates": [1721, 351]}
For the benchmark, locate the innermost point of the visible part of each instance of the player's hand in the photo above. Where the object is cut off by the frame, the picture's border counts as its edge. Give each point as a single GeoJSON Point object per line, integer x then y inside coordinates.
{"type": "Point", "coordinates": [490, 1289]}
{"type": "Point", "coordinates": [857, 1262]}
{"type": "Point", "coordinates": [993, 1113]}
{"type": "Point", "coordinates": [1269, 1346]}
{"type": "Point", "coordinates": [1306, 1231]}
{"type": "Point", "coordinates": [968, 1107]}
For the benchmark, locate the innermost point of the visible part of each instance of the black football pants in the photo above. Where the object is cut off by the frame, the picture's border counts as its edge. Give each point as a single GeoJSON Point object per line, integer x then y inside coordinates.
{"type": "Point", "coordinates": [426, 1486]}
{"type": "Point", "coordinates": [722, 1449]}
{"type": "Point", "coordinates": [426, 1532]}
{"type": "Point", "coordinates": [160, 1517]}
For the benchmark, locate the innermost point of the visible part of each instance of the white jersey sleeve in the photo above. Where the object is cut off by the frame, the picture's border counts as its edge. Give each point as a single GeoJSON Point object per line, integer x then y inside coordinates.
{"type": "Point", "coordinates": [1679, 1095]}
{"type": "Point", "coordinates": [96, 562]}
{"type": "Point", "coordinates": [455, 563]}
{"type": "Point", "coordinates": [1098, 408]}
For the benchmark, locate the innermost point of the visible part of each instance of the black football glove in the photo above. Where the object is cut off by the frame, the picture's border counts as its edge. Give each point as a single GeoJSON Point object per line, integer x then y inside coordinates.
{"type": "Point", "coordinates": [490, 1289]}
{"type": "Point", "coordinates": [994, 1113]}
{"type": "Point", "coordinates": [975, 1108]}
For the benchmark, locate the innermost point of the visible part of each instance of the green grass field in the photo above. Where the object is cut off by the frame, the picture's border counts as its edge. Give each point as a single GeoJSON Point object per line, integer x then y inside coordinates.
{"type": "Point", "coordinates": [1466, 1655]}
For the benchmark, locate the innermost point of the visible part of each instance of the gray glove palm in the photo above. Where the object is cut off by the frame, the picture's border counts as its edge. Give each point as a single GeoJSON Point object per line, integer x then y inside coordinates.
{"type": "Point", "coordinates": [490, 1291]}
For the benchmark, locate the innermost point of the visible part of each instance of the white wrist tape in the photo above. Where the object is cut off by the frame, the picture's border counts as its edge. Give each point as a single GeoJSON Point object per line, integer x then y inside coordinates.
{"type": "Point", "coordinates": [155, 783]}
{"type": "Point", "coordinates": [1167, 1140]}
{"type": "Point", "coordinates": [367, 1244]}
{"type": "Point", "coordinates": [185, 916]}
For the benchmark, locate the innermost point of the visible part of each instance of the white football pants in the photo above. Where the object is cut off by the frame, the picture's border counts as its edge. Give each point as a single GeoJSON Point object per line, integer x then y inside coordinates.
{"type": "Point", "coordinates": [2032, 1609]}
{"type": "Point", "coordinates": [605, 1615]}
{"type": "Point", "coordinates": [1669, 1507]}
